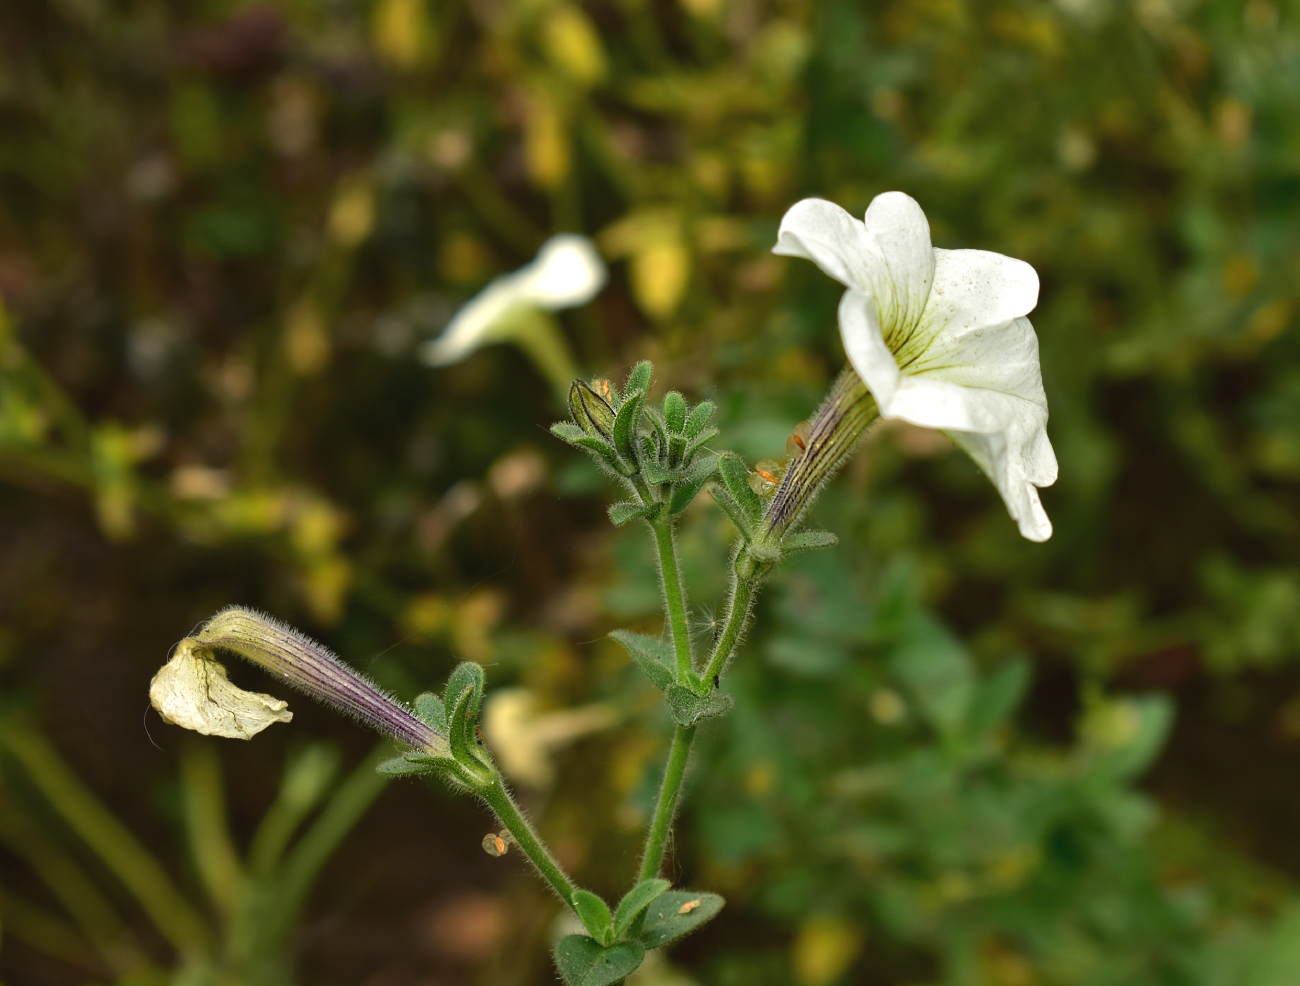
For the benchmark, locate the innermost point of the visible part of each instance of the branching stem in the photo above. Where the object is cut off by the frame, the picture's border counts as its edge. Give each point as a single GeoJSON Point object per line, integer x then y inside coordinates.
{"type": "Point", "coordinates": [674, 598]}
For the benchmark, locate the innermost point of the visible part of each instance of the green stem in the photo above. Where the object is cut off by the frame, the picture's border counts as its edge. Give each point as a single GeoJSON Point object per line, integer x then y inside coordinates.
{"type": "Point", "coordinates": [666, 809]}
{"type": "Point", "coordinates": [674, 598]}
{"type": "Point", "coordinates": [528, 841]}
{"type": "Point", "coordinates": [738, 609]}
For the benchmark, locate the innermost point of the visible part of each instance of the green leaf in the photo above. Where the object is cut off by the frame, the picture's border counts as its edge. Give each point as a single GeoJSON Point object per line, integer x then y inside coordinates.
{"type": "Point", "coordinates": [657, 422]}
{"type": "Point", "coordinates": [625, 510]}
{"type": "Point", "coordinates": [467, 674]}
{"type": "Point", "coordinates": [626, 423]}
{"type": "Point", "coordinates": [675, 411]}
{"type": "Point", "coordinates": [723, 498]}
{"type": "Point", "coordinates": [655, 471]}
{"type": "Point", "coordinates": [401, 767]}
{"type": "Point", "coordinates": [687, 708]}
{"type": "Point", "coordinates": [699, 418]}
{"type": "Point", "coordinates": [567, 431]}
{"type": "Point", "coordinates": [665, 921]}
{"type": "Point", "coordinates": [997, 697]}
{"type": "Point", "coordinates": [635, 901]}
{"type": "Point", "coordinates": [654, 656]}
{"type": "Point", "coordinates": [937, 671]}
{"type": "Point", "coordinates": [582, 961]}
{"type": "Point", "coordinates": [431, 711]}
{"type": "Point", "coordinates": [576, 437]}
{"type": "Point", "coordinates": [735, 476]}
{"type": "Point", "coordinates": [808, 541]}
{"type": "Point", "coordinates": [639, 379]}
{"type": "Point", "coordinates": [460, 728]}
{"type": "Point", "coordinates": [699, 473]}
{"type": "Point", "coordinates": [594, 913]}
{"type": "Point", "coordinates": [693, 446]}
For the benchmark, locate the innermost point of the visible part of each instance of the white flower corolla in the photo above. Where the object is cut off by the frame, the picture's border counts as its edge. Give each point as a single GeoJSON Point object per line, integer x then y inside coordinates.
{"type": "Point", "coordinates": [193, 691]}
{"type": "Point", "coordinates": [566, 272]}
{"type": "Point", "coordinates": [939, 337]}
{"type": "Point", "coordinates": [524, 738]}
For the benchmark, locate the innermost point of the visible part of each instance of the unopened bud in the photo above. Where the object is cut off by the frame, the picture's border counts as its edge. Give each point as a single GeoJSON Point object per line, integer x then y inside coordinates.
{"type": "Point", "coordinates": [591, 412]}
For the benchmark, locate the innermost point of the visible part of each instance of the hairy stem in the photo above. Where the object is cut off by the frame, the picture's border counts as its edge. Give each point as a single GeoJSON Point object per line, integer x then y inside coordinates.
{"type": "Point", "coordinates": [666, 808]}
{"type": "Point", "coordinates": [526, 838]}
{"type": "Point", "coordinates": [674, 598]}
{"type": "Point", "coordinates": [739, 606]}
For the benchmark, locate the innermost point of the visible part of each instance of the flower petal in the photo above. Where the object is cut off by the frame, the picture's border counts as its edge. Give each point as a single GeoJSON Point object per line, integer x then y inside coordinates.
{"type": "Point", "coordinates": [471, 326]}
{"type": "Point", "coordinates": [865, 346]}
{"type": "Point", "coordinates": [192, 690]}
{"type": "Point", "coordinates": [832, 239]}
{"type": "Point", "coordinates": [971, 289]}
{"type": "Point", "coordinates": [902, 268]}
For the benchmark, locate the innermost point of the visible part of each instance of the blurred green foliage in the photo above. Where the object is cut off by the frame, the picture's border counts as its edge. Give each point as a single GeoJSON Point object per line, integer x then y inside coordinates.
{"type": "Point", "coordinates": [224, 227]}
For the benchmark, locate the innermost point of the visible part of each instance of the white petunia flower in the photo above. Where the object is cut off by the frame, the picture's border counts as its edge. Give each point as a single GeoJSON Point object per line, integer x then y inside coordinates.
{"type": "Point", "coordinates": [939, 337]}
{"type": "Point", "coordinates": [193, 691]}
{"type": "Point", "coordinates": [566, 272]}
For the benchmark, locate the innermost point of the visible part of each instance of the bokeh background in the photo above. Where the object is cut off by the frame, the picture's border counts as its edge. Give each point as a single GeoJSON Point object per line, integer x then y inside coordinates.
{"type": "Point", "coordinates": [956, 757]}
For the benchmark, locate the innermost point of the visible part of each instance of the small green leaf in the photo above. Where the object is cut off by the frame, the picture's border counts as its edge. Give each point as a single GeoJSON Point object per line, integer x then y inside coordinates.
{"type": "Point", "coordinates": [654, 656]}
{"type": "Point", "coordinates": [594, 913]}
{"type": "Point", "coordinates": [723, 498]}
{"type": "Point", "coordinates": [657, 422]}
{"type": "Point", "coordinates": [676, 914]}
{"type": "Point", "coordinates": [625, 510]}
{"type": "Point", "coordinates": [735, 476]}
{"type": "Point", "coordinates": [997, 697]}
{"type": "Point", "coordinates": [467, 674]}
{"type": "Point", "coordinates": [598, 447]}
{"type": "Point", "coordinates": [639, 379]}
{"type": "Point", "coordinates": [583, 962]}
{"type": "Point", "coordinates": [674, 411]}
{"type": "Point", "coordinates": [699, 418]}
{"type": "Point", "coordinates": [808, 541]}
{"type": "Point", "coordinates": [431, 711]}
{"type": "Point", "coordinates": [635, 901]}
{"type": "Point", "coordinates": [626, 423]}
{"type": "Point", "coordinates": [699, 473]}
{"type": "Point", "coordinates": [567, 431]}
{"type": "Point", "coordinates": [687, 708]}
{"type": "Point", "coordinates": [401, 767]}
{"type": "Point", "coordinates": [693, 446]}
{"type": "Point", "coordinates": [655, 471]}
{"type": "Point", "coordinates": [460, 727]}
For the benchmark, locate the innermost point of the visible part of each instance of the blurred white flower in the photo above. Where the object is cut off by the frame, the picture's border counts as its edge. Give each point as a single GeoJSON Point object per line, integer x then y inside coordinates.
{"type": "Point", "coordinates": [939, 337]}
{"type": "Point", "coordinates": [523, 739]}
{"type": "Point", "coordinates": [566, 272]}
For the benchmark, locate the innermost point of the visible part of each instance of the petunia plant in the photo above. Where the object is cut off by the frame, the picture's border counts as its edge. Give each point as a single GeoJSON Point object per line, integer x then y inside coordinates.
{"type": "Point", "coordinates": [935, 337]}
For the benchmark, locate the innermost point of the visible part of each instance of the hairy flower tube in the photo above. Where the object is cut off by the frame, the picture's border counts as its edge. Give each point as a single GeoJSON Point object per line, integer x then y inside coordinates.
{"type": "Point", "coordinates": [567, 272]}
{"type": "Point", "coordinates": [192, 689]}
{"type": "Point", "coordinates": [939, 337]}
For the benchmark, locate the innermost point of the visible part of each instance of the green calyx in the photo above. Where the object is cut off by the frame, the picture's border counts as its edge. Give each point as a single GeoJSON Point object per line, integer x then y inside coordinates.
{"type": "Point", "coordinates": [456, 713]}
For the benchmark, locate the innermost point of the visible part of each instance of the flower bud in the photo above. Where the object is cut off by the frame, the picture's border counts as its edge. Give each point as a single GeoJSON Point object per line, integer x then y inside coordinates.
{"type": "Point", "coordinates": [591, 412]}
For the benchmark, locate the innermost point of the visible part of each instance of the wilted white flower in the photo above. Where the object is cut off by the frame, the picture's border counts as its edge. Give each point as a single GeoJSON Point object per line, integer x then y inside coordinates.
{"type": "Point", "coordinates": [524, 739]}
{"type": "Point", "coordinates": [939, 337]}
{"type": "Point", "coordinates": [193, 691]}
{"type": "Point", "coordinates": [566, 272]}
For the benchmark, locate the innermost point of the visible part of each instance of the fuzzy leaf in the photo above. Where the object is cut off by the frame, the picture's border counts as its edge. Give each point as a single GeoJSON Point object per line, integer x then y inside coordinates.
{"type": "Point", "coordinates": [578, 438]}
{"type": "Point", "coordinates": [625, 510]}
{"type": "Point", "coordinates": [735, 476]}
{"type": "Point", "coordinates": [723, 498]}
{"type": "Point", "coordinates": [676, 914]}
{"type": "Point", "coordinates": [467, 674]}
{"type": "Point", "coordinates": [401, 767]}
{"type": "Point", "coordinates": [582, 961]}
{"type": "Point", "coordinates": [687, 708]}
{"type": "Point", "coordinates": [460, 727]}
{"type": "Point", "coordinates": [639, 379]}
{"type": "Point", "coordinates": [595, 916]}
{"type": "Point", "coordinates": [431, 711]}
{"type": "Point", "coordinates": [707, 435]}
{"type": "Point", "coordinates": [699, 473]}
{"type": "Point", "coordinates": [654, 656]}
{"type": "Point", "coordinates": [626, 423]}
{"type": "Point", "coordinates": [657, 422]}
{"type": "Point", "coordinates": [674, 411]}
{"type": "Point", "coordinates": [699, 418]}
{"type": "Point", "coordinates": [655, 472]}
{"type": "Point", "coordinates": [635, 901]}
{"type": "Point", "coordinates": [808, 541]}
